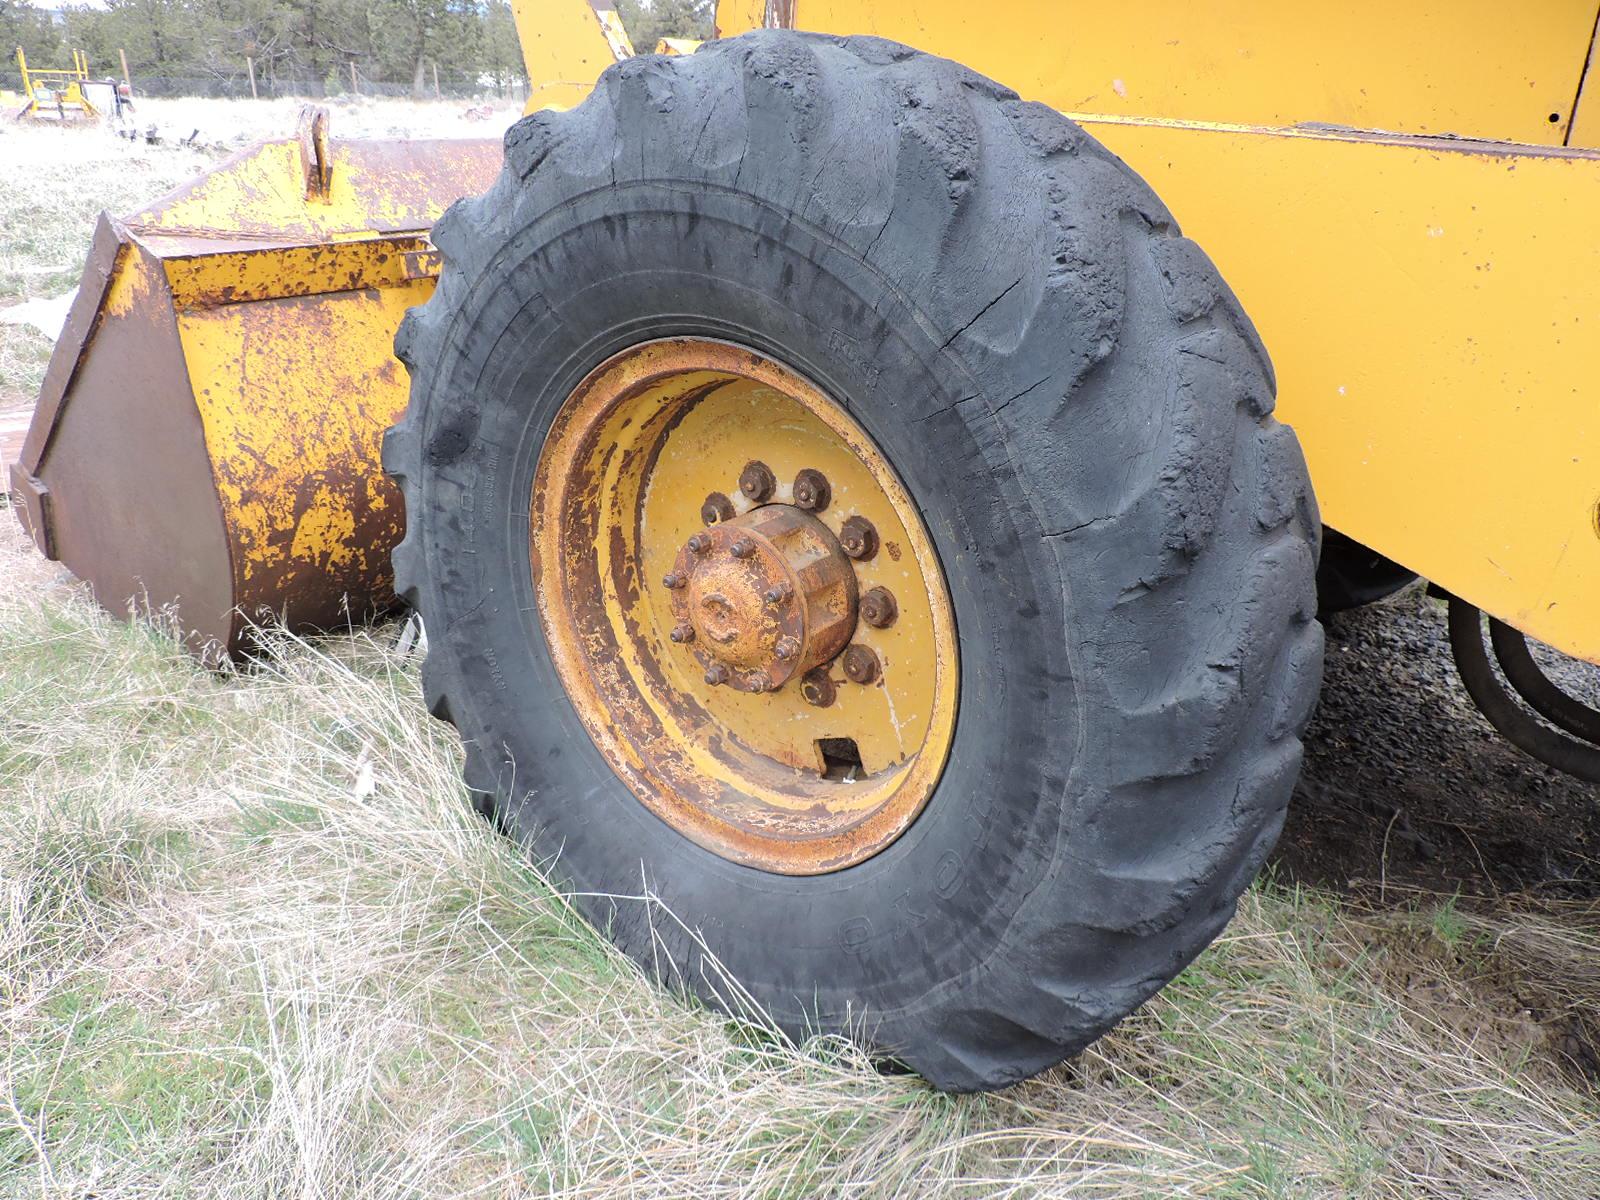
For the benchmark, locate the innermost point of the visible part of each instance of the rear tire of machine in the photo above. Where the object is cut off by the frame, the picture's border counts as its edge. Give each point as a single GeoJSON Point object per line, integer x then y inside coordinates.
{"type": "Point", "coordinates": [1081, 411]}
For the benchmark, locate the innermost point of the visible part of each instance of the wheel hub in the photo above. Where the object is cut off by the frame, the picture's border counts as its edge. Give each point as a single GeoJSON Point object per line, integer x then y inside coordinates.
{"type": "Point", "coordinates": [762, 598]}
{"type": "Point", "coordinates": [765, 653]}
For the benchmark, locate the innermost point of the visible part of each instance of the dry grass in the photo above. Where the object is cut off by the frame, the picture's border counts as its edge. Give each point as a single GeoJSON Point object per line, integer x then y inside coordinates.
{"type": "Point", "coordinates": [254, 944]}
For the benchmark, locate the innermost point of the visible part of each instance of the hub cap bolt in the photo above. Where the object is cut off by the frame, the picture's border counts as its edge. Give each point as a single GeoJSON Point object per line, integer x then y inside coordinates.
{"type": "Point", "coordinates": [743, 548]}
{"type": "Point", "coordinates": [812, 491]}
{"type": "Point", "coordinates": [756, 684]}
{"type": "Point", "coordinates": [757, 482]}
{"type": "Point", "coordinates": [683, 633]}
{"type": "Point", "coordinates": [878, 608]}
{"type": "Point", "coordinates": [860, 664]}
{"type": "Point", "coordinates": [786, 648]}
{"type": "Point", "coordinates": [817, 689]}
{"type": "Point", "coordinates": [716, 509]}
{"type": "Point", "coordinates": [778, 593]}
{"type": "Point", "coordinates": [699, 543]}
{"type": "Point", "coordinates": [859, 539]}
{"type": "Point", "coordinates": [673, 580]}
{"type": "Point", "coordinates": [716, 675]}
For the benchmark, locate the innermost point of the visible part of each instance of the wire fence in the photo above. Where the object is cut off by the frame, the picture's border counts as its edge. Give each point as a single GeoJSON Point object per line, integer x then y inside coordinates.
{"type": "Point", "coordinates": [269, 87]}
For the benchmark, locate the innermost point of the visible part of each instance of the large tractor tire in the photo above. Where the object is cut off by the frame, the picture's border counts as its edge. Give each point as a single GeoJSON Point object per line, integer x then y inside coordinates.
{"type": "Point", "coordinates": [857, 550]}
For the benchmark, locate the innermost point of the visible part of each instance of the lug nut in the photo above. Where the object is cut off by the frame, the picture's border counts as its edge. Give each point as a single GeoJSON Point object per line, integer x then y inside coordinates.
{"type": "Point", "coordinates": [743, 548]}
{"type": "Point", "coordinates": [878, 608]}
{"type": "Point", "coordinates": [717, 675]}
{"type": "Point", "coordinates": [859, 539]}
{"type": "Point", "coordinates": [682, 633]}
{"type": "Point", "coordinates": [860, 664]}
{"type": "Point", "coordinates": [757, 482]}
{"type": "Point", "coordinates": [812, 491]}
{"type": "Point", "coordinates": [716, 509]}
{"type": "Point", "coordinates": [673, 580]}
{"type": "Point", "coordinates": [816, 689]}
{"type": "Point", "coordinates": [699, 542]}
{"type": "Point", "coordinates": [757, 684]}
{"type": "Point", "coordinates": [786, 648]}
{"type": "Point", "coordinates": [778, 593]}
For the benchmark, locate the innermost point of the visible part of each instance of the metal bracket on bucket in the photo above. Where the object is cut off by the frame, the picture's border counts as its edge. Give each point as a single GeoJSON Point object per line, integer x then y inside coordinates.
{"type": "Point", "coordinates": [312, 132]}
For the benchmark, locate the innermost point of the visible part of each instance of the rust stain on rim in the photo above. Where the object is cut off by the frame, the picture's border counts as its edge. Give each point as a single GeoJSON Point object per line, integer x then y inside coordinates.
{"type": "Point", "coordinates": [635, 586]}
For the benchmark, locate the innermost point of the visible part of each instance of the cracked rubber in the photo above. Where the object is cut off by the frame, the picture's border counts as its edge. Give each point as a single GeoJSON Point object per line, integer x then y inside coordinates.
{"type": "Point", "coordinates": [1083, 415]}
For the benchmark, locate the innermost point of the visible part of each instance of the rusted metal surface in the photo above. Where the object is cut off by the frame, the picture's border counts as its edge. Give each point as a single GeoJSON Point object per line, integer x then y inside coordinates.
{"type": "Point", "coordinates": [206, 440]}
{"type": "Point", "coordinates": [757, 482]}
{"type": "Point", "coordinates": [859, 539]}
{"type": "Point", "coordinates": [312, 134]}
{"type": "Point", "coordinates": [812, 491]}
{"type": "Point", "coordinates": [861, 665]}
{"type": "Point", "coordinates": [717, 508]}
{"type": "Point", "coordinates": [703, 656]}
{"type": "Point", "coordinates": [878, 608]}
{"type": "Point", "coordinates": [817, 689]}
{"type": "Point", "coordinates": [768, 595]}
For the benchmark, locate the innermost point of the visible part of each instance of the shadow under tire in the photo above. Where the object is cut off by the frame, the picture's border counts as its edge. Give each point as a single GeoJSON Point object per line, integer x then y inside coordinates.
{"type": "Point", "coordinates": [1082, 415]}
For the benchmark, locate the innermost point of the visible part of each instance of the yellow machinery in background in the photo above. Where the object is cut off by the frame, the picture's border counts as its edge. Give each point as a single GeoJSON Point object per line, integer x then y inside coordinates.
{"type": "Point", "coordinates": [55, 93]}
{"type": "Point", "coordinates": [1403, 197]}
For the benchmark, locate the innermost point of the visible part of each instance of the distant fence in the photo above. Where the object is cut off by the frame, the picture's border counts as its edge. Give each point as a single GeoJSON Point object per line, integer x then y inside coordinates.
{"type": "Point", "coordinates": [272, 87]}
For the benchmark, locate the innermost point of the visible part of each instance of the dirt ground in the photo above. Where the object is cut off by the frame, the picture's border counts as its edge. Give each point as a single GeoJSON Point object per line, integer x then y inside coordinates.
{"type": "Point", "coordinates": [1406, 786]}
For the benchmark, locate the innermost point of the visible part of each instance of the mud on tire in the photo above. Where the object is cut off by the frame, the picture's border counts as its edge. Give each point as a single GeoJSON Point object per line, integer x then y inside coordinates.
{"type": "Point", "coordinates": [1084, 416]}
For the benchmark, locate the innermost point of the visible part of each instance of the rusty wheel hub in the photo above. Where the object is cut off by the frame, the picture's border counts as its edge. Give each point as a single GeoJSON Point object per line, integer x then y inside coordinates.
{"type": "Point", "coordinates": [764, 654]}
{"type": "Point", "coordinates": [767, 596]}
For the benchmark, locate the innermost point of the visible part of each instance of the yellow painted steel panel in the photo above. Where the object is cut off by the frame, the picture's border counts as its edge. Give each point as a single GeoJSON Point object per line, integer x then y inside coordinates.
{"type": "Point", "coordinates": [565, 46]}
{"type": "Point", "coordinates": [739, 16]}
{"type": "Point", "coordinates": [1433, 310]}
{"type": "Point", "coordinates": [1477, 68]}
{"type": "Point", "coordinates": [1585, 130]}
{"type": "Point", "coordinates": [294, 394]}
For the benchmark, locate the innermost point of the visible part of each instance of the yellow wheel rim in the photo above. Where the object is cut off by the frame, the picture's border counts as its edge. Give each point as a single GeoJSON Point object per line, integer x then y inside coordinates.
{"type": "Point", "coordinates": [770, 668]}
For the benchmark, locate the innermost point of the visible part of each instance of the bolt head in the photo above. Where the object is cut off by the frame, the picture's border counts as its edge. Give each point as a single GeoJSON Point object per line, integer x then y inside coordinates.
{"type": "Point", "coordinates": [673, 580]}
{"type": "Point", "coordinates": [786, 648]}
{"type": "Point", "coordinates": [859, 539]}
{"type": "Point", "coordinates": [860, 664]}
{"type": "Point", "coordinates": [757, 482]}
{"type": "Point", "coordinates": [816, 689]}
{"type": "Point", "coordinates": [879, 608]}
{"type": "Point", "coordinates": [682, 633]}
{"type": "Point", "coordinates": [757, 684]}
{"type": "Point", "coordinates": [743, 548]}
{"type": "Point", "coordinates": [778, 593]}
{"type": "Point", "coordinates": [699, 542]}
{"type": "Point", "coordinates": [717, 675]}
{"type": "Point", "coordinates": [716, 509]}
{"type": "Point", "coordinates": [812, 490]}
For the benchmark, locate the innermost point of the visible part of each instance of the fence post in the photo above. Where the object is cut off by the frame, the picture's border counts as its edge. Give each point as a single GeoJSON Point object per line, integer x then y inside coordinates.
{"type": "Point", "coordinates": [123, 55]}
{"type": "Point", "coordinates": [250, 63]}
{"type": "Point", "coordinates": [354, 86]}
{"type": "Point", "coordinates": [436, 94]}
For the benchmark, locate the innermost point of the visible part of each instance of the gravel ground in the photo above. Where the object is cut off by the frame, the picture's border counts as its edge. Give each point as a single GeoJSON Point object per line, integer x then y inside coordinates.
{"type": "Point", "coordinates": [1406, 786]}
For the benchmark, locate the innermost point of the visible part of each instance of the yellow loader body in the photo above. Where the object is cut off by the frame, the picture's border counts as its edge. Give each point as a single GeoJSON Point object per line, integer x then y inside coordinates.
{"type": "Point", "coordinates": [1406, 198]}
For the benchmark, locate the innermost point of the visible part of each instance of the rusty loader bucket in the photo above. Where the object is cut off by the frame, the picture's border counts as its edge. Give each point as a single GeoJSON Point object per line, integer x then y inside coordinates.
{"type": "Point", "coordinates": [206, 440]}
